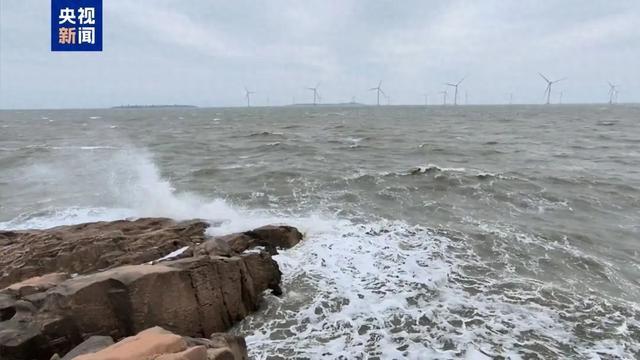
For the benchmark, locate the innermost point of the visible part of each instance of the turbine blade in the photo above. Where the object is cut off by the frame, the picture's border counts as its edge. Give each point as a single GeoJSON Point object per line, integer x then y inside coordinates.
{"type": "Point", "coordinates": [382, 92]}
{"type": "Point", "coordinates": [555, 81]}
{"type": "Point", "coordinates": [461, 80]}
{"type": "Point", "coordinates": [544, 77]}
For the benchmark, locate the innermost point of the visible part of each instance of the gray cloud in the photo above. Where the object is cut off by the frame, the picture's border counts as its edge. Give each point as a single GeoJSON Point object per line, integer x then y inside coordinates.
{"type": "Point", "coordinates": [204, 52]}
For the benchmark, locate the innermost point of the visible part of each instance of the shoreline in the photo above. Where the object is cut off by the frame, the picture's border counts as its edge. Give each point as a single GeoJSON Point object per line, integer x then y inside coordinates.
{"type": "Point", "coordinates": [68, 284]}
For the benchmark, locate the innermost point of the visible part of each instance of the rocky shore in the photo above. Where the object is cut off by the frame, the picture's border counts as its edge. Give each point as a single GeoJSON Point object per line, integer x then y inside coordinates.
{"type": "Point", "coordinates": [158, 288]}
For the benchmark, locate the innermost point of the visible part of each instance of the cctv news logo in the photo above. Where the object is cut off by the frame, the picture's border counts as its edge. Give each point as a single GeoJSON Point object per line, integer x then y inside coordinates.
{"type": "Point", "coordinates": [76, 25]}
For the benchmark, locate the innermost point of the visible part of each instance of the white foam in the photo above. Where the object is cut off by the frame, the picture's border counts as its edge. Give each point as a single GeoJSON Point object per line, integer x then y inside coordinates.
{"type": "Point", "coordinates": [401, 291]}
{"type": "Point", "coordinates": [87, 147]}
{"type": "Point", "coordinates": [67, 216]}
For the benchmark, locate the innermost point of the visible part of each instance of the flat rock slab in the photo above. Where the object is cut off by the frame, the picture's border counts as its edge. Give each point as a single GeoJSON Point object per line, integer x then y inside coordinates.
{"type": "Point", "coordinates": [159, 344]}
{"type": "Point", "coordinates": [90, 247]}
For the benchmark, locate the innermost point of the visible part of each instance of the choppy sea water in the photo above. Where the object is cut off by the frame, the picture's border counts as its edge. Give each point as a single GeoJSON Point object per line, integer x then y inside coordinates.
{"type": "Point", "coordinates": [439, 232]}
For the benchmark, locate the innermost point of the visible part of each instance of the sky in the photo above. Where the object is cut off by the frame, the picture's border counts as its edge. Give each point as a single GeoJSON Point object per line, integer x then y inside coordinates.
{"type": "Point", "coordinates": [204, 52]}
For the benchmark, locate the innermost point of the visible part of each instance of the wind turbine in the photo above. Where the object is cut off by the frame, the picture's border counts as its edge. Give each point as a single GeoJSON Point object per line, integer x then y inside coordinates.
{"type": "Point", "coordinates": [613, 92]}
{"type": "Point", "coordinates": [379, 90]}
{"type": "Point", "coordinates": [455, 96]}
{"type": "Point", "coordinates": [316, 95]}
{"type": "Point", "coordinates": [247, 95]}
{"type": "Point", "coordinates": [548, 89]}
{"type": "Point", "coordinates": [444, 97]}
{"type": "Point", "coordinates": [426, 100]}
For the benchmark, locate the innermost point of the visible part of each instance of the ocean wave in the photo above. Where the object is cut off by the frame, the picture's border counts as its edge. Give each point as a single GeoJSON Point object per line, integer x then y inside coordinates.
{"type": "Point", "coordinates": [388, 288]}
{"type": "Point", "coordinates": [88, 147]}
{"type": "Point", "coordinates": [456, 177]}
{"type": "Point", "coordinates": [266, 133]}
{"type": "Point", "coordinates": [433, 168]}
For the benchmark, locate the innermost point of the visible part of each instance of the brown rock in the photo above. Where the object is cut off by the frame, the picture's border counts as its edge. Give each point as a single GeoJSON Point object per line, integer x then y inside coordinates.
{"type": "Point", "coordinates": [282, 236]}
{"type": "Point", "coordinates": [148, 344]}
{"type": "Point", "coordinates": [270, 236]}
{"type": "Point", "coordinates": [212, 286]}
{"type": "Point", "coordinates": [159, 344]}
{"type": "Point", "coordinates": [193, 297]}
{"type": "Point", "coordinates": [37, 284]}
{"type": "Point", "coordinates": [90, 247]}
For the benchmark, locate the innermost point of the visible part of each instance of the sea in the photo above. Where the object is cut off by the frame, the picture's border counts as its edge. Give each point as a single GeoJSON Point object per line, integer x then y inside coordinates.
{"type": "Point", "coordinates": [431, 232]}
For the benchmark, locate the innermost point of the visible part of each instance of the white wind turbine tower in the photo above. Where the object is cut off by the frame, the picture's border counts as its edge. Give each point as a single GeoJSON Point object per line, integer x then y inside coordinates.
{"type": "Point", "coordinates": [316, 95]}
{"type": "Point", "coordinates": [613, 92]}
{"type": "Point", "coordinates": [547, 91]}
{"type": "Point", "coordinates": [247, 95]}
{"type": "Point", "coordinates": [426, 100]}
{"type": "Point", "coordinates": [379, 90]}
{"type": "Point", "coordinates": [455, 96]}
{"type": "Point", "coordinates": [444, 97]}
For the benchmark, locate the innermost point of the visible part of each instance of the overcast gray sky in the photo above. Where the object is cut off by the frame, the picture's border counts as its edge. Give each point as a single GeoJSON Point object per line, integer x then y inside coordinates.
{"type": "Point", "coordinates": [203, 52]}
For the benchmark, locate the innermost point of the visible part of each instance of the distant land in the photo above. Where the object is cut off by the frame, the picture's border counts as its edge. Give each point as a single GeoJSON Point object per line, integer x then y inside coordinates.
{"type": "Point", "coordinates": [153, 106]}
{"type": "Point", "coordinates": [330, 104]}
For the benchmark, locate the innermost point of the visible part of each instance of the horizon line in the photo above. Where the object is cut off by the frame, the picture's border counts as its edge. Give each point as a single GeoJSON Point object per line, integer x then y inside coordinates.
{"type": "Point", "coordinates": [346, 104]}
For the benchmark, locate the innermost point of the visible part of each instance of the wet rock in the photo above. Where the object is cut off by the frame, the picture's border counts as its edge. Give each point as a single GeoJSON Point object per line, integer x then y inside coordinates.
{"type": "Point", "coordinates": [282, 236]}
{"type": "Point", "coordinates": [233, 345]}
{"type": "Point", "coordinates": [270, 236]}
